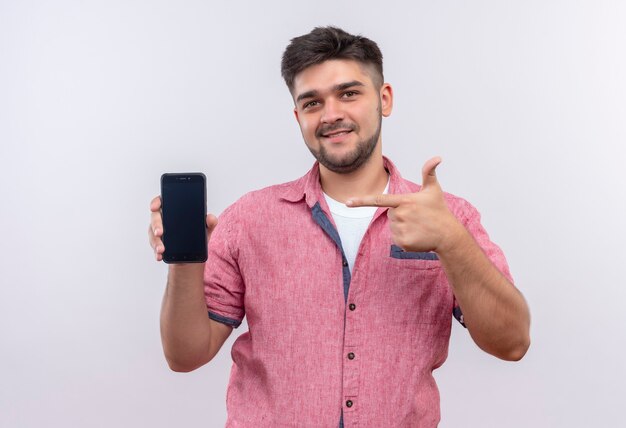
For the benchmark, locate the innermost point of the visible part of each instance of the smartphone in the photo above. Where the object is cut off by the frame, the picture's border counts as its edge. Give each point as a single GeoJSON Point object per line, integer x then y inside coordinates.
{"type": "Point", "coordinates": [183, 207]}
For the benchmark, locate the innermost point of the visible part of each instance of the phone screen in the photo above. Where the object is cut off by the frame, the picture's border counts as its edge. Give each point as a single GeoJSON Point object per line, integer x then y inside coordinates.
{"type": "Point", "coordinates": [184, 217]}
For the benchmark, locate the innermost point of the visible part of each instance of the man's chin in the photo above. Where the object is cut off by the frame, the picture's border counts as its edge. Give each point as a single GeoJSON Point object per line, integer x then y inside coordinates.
{"type": "Point", "coordinates": [341, 165]}
{"type": "Point", "coordinates": [345, 158]}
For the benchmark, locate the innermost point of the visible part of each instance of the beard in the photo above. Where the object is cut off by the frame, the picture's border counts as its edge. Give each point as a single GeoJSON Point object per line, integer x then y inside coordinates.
{"type": "Point", "coordinates": [351, 161]}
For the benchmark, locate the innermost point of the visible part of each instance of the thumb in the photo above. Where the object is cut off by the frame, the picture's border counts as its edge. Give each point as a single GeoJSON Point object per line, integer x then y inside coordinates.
{"type": "Point", "coordinates": [429, 177]}
{"type": "Point", "coordinates": [211, 222]}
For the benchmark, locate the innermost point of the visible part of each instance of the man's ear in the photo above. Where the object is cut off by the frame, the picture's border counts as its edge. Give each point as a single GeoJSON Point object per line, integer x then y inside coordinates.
{"type": "Point", "coordinates": [295, 113]}
{"type": "Point", "coordinates": [386, 99]}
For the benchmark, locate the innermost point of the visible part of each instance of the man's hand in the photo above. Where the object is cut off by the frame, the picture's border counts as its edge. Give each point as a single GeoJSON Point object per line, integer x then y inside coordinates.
{"type": "Point", "coordinates": [155, 230]}
{"type": "Point", "coordinates": [419, 221]}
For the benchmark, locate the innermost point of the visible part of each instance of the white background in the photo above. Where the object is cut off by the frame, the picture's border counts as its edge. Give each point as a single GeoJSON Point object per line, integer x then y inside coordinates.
{"type": "Point", "coordinates": [525, 102]}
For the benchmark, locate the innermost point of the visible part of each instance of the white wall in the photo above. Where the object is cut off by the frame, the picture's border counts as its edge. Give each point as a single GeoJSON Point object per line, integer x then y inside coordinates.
{"type": "Point", "coordinates": [525, 101]}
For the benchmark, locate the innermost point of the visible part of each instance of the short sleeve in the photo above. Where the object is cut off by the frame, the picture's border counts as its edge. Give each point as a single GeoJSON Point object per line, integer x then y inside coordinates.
{"type": "Point", "coordinates": [470, 217]}
{"type": "Point", "coordinates": [223, 285]}
{"type": "Point", "coordinates": [491, 250]}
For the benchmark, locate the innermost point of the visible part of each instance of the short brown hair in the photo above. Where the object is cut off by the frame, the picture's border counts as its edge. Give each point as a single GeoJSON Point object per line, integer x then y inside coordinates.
{"type": "Point", "coordinates": [326, 43]}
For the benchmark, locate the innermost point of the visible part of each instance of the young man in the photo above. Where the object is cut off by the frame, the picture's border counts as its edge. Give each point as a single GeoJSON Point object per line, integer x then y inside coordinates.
{"type": "Point", "coordinates": [348, 276]}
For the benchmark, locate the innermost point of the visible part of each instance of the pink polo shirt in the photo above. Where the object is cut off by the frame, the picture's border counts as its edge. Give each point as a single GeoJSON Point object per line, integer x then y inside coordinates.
{"type": "Point", "coordinates": [325, 345]}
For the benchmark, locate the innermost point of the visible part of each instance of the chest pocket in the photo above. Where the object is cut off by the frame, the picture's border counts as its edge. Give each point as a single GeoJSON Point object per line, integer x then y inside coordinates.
{"type": "Point", "coordinates": [418, 288]}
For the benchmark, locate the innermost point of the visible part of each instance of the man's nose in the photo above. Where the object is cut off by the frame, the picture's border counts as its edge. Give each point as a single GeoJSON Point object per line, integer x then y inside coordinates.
{"type": "Point", "coordinates": [332, 112]}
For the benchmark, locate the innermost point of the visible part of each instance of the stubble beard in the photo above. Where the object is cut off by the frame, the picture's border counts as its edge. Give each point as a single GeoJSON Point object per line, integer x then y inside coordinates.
{"type": "Point", "coordinates": [353, 160]}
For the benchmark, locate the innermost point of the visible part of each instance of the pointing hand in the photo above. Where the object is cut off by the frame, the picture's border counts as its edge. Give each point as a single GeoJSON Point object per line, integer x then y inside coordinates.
{"type": "Point", "coordinates": [419, 221]}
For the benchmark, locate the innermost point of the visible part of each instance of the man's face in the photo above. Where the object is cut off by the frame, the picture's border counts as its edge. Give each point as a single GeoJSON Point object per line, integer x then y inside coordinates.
{"type": "Point", "coordinates": [339, 109]}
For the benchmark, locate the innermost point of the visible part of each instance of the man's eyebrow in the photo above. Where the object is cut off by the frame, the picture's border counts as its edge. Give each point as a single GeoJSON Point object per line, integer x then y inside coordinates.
{"type": "Point", "coordinates": [336, 88]}
{"type": "Point", "coordinates": [307, 94]}
{"type": "Point", "coordinates": [344, 86]}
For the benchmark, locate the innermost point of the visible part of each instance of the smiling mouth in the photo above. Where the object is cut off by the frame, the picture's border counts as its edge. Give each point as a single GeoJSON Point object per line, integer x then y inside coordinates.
{"type": "Point", "coordinates": [336, 133]}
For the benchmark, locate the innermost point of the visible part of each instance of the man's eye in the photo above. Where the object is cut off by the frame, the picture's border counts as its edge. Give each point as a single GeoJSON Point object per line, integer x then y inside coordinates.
{"type": "Point", "coordinates": [309, 104]}
{"type": "Point", "coordinates": [349, 94]}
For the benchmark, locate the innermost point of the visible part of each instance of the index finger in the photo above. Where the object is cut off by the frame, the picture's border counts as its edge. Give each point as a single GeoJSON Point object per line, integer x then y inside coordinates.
{"type": "Point", "coordinates": [155, 204]}
{"type": "Point", "coordinates": [391, 201]}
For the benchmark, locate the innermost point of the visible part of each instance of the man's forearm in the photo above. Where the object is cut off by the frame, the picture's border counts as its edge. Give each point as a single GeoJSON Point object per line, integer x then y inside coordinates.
{"type": "Point", "coordinates": [494, 311]}
{"type": "Point", "coordinates": [185, 326]}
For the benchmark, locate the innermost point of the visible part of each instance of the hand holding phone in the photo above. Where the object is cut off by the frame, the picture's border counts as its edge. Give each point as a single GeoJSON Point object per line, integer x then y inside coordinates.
{"type": "Point", "coordinates": [179, 225]}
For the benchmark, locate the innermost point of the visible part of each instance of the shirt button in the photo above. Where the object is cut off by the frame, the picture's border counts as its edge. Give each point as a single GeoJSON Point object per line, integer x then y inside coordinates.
{"type": "Point", "coordinates": [351, 356]}
{"type": "Point", "coordinates": [352, 306]}
{"type": "Point", "coordinates": [345, 263]}
{"type": "Point", "coordinates": [349, 403]}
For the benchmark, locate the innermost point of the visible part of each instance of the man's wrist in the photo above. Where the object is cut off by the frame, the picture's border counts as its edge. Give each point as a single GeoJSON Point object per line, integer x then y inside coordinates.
{"type": "Point", "coordinates": [454, 236]}
{"type": "Point", "coordinates": [186, 271]}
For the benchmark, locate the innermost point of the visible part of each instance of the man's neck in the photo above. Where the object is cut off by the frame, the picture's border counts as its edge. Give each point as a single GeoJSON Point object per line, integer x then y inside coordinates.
{"type": "Point", "coordinates": [370, 179]}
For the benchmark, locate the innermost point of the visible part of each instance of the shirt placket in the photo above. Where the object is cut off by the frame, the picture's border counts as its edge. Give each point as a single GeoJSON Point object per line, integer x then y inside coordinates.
{"type": "Point", "coordinates": [351, 363]}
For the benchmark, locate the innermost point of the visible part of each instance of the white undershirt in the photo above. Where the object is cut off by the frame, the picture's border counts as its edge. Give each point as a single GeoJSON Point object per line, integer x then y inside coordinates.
{"type": "Point", "coordinates": [351, 225]}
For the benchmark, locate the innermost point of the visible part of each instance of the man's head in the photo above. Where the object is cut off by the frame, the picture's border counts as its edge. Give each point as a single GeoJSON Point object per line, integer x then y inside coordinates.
{"type": "Point", "coordinates": [336, 81]}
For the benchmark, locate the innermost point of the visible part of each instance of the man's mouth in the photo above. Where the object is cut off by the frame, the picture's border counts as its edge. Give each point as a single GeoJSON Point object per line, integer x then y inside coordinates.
{"type": "Point", "coordinates": [336, 133]}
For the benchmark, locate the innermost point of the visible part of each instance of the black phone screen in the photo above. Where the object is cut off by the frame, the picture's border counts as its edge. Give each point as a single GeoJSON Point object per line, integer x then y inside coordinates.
{"type": "Point", "coordinates": [183, 198]}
